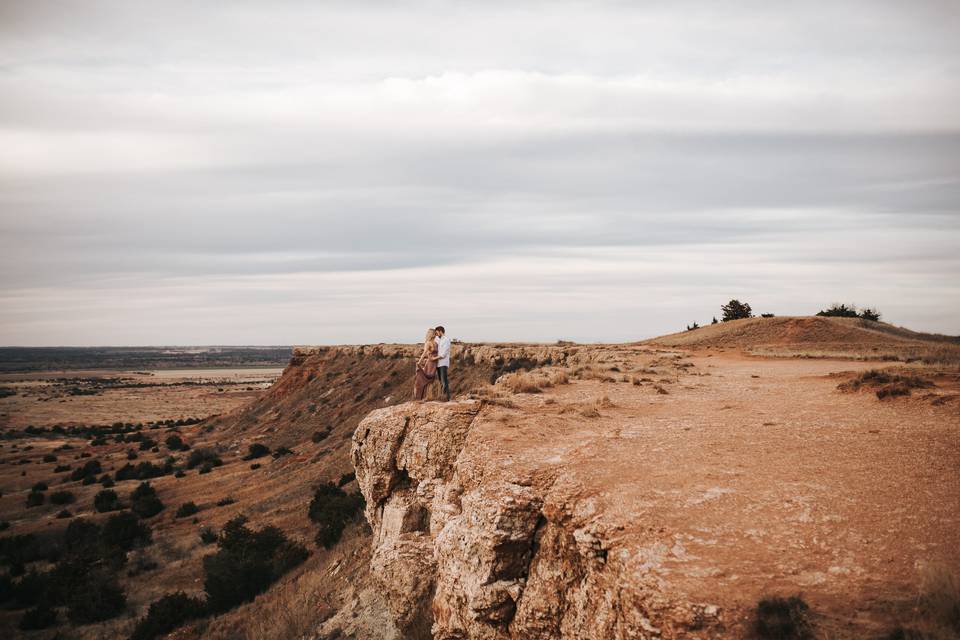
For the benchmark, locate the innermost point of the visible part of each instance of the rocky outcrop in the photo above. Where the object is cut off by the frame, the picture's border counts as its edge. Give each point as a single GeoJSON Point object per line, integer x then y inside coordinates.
{"type": "Point", "coordinates": [463, 551]}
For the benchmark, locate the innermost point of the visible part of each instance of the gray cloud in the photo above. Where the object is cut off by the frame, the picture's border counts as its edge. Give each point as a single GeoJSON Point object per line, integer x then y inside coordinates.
{"type": "Point", "coordinates": [303, 172]}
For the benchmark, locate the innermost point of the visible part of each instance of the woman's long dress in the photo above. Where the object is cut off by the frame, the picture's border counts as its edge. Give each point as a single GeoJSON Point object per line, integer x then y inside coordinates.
{"type": "Point", "coordinates": [426, 373]}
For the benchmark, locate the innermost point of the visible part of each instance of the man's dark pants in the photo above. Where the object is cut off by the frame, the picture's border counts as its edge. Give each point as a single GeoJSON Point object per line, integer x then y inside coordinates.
{"type": "Point", "coordinates": [444, 381]}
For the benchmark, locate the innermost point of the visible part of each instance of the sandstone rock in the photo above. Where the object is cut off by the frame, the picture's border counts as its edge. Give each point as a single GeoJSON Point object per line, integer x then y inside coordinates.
{"type": "Point", "coordinates": [462, 552]}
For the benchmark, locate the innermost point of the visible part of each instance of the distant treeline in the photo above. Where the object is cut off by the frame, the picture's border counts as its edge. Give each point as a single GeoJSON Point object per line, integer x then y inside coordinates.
{"type": "Point", "coordinates": [21, 359]}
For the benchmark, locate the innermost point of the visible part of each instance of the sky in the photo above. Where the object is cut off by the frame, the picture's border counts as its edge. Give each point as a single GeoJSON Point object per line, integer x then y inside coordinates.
{"type": "Point", "coordinates": [316, 173]}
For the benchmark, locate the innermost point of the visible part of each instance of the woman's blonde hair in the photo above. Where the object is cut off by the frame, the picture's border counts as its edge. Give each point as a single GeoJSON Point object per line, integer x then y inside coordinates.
{"type": "Point", "coordinates": [431, 334]}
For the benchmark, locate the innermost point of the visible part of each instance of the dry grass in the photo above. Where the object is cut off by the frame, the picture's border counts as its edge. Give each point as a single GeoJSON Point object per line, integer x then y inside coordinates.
{"type": "Point", "coordinates": [533, 381]}
{"type": "Point", "coordinates": [886, 383]}
{"type": "Point", "coordinates": [936, 615]}
{"type": "Point", "coordinates": [590, 409]}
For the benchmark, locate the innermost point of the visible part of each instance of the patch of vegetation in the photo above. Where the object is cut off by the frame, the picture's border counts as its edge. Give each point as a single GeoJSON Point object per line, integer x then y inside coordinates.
{"type": "Point", "coordinates": [143, 471]}
{"type": "Point", "coordinates": [346, 479]}
{"type": "Point", "coordinates": [99, 598]}
{"type": "Point", "coordinates": [106, 500]}
{"type": "Point", "coordinates": [843, 311]}
{"type": "Point", "coordinates": [778, 618]}
{"type": "Point", "coordinates": [282, 451]}
{"type": "Point", "coordinates": [692, 327]}
{"type": "Point", "coordinates": [203, 458]}
{"type": "Point", "coordinates": [61, 497]}
{"type": "Point", "coordinates": [64, 513]}
{"type": "Point", "coordinates": [124, 530]}
{"type": "Point", "coordinates": [35, 499]}
{"type": "Point", "coordinates": [41, 616]}
{"type": "Point", "coordinates": [222, 502]}
{"type": "Point", "coordinates": [886, 383]}
{"type": "Point", "coordinates": [736, 310]}
{"type": "Point", "coordinates": [247, 563]}
{"type": "Point", "coordinates": [208, 535]}
{"type": "Point", "coordinates": [144, 501]}
{"type": "Point", "coordinates": [187, 509]}
{"type": "Point", "coordinates": [320, 436]}
{"type": "Point", "coordinates": [166, 614]}
{"type": "Point", "coordinates": [332, 508]}
{"type": "Point", "coordinates": [89, 470]}
{"type": "Point", "coordinates": [175, 443]}
{"type": "Point", "coordinates": [257, 450]}
{"type": "Point", "coordinates": [49, 458]}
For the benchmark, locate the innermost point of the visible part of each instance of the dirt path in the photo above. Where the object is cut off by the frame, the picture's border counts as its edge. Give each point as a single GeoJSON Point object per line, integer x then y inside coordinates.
{"type": "Point", "coordinates": [750, 477]}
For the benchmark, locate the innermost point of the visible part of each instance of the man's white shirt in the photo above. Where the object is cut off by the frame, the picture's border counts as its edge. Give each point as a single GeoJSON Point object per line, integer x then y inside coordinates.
{"type": "Point", "coordinates": [443, 350]}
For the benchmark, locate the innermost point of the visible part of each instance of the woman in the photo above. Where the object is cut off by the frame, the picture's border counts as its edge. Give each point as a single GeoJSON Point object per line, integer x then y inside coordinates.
{"type": "Point", "coordinates": [426, 366]}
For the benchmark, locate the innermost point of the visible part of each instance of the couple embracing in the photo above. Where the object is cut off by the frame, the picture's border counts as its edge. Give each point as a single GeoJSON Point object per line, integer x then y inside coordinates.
{"type": "Point", "coordinates": [433, 363]}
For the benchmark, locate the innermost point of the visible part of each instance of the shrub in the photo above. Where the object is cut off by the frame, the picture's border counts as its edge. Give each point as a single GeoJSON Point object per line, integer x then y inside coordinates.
{"type": "Point", "coordinates": [99, 598]}
{"type": "Point", "coordinates": [60, 468]}
{"type": "Point", "coordinates": [736, 310]}
{"type": "Point", "coordinates": [332, 508]}
{"type": "Point", "coordinates": [144, 501]}
{"type": "Point", "coordinates": [61, 497]}
{"type": "Point", "coordinates": [41, 616]}
{"type": "Point", "coordinates": [282, 451]}
{"type": "Point", "coordinates": [49, 458]}
{"type": "Point", "coordinates": [175, 443]}
{"type": "Point", "coordinates": [782, 619]}
{"type": "Point", "coordinates": [166, 614]}
{"type": "Point", "coordinates": [257, 450]}
{"type": "Point", "coordinates": [88, 480]}
{"type": "Point", "coordinates": [320, 436]}
{"type": "Point", "coordinates": [106, 500]}
{"type": "Point", "coordinates": [132, 455]}
{"type": "Point", "coordinates": [346, 479]}
{"type": "Point", "coordinates": [187, 509]}
{"type": "Point", "coordinates": [691, 327]}
{"type": "Point", "coordinates": [247, 563]}
{"type": "Point", "coordinates": [124, 530]}
{"type": "Point", "coordinates": [35, 499]}
{"type": "Point", "coordinates": [767, 315]}
{"type": "Point", "coordinates": [147, 443]}
{"type": "Point", "coordinates": [207, 535]}
{"type": "Point", "coordinates": [255, 466]}
{"type": "Point", "coordinates": [82, 540]}
{"type": "Point", "coordinates": [179, 474]}
{"type": "Point", "coordinates": [203, 457]}
{"type": "Point", "coordinates": [839, 311]}
{"type": "Point", "coordinates": [144, 471]}
{"type": "Point", "coordinates": [870, 314]}
{"type": "Point", "coordinates": [65, 513]}
{"type": "Point", "coordinates": [222, 502]}
{"type": "Point", "coordinates": [89, 469]}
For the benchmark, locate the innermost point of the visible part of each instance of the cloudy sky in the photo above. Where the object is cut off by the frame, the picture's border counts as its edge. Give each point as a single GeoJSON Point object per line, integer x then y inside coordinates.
{"type": "Point", "coordinates": [303, 172]}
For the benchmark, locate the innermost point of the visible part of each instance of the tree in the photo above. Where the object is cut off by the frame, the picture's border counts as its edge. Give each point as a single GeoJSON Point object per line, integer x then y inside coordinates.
{"type": "Point", "coordinates": [735, 310]}
{"type": "Point", "coordinates": [839, 311]}
{"type": "Point", "coordinates": [691, 327]}
{"type": "Point", "coordinates": [870, 314]}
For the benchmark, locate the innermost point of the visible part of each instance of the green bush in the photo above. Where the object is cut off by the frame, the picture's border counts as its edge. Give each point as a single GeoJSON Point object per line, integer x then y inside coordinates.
{"type": "Point", "coordinates": [40, 486]}
{"type": "Point", "coordinates": [247, 563]}
{"type": "Point", "coordinates": [106, 500]}
{"type": "Point", "coordinates": [203, 457]}
{"type": "Point", "coordinates": [839, 311]}
{"type": "Point", "coordinates": [166, 614]}
{"type": "Point", "coordinates": [175, 443]}
{"type": "Point", "coordinates": [207, 535]}
{"type": "Point", "coordinates": [257, 450]}
{"type": "Point", "coordinates": [124, 530]}
{"type": "Point", "coordinates": [736, 310]}
{"type": "Point", "coordinates": [332, 508]}
{"type": "Point", "coordinates": [187, 509]}
{"type": "Point", "coordinates": [35, 499]}
{"type": "Point", "coordinates": [89, 469]}
{"type": "Point", "coordinates": [99, 598]}
{"type": "Point", "coordinates": [144, 501]}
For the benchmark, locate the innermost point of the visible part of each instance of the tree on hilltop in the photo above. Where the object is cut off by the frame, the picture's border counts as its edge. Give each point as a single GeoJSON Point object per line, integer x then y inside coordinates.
{"type": "Point", "coordinates": [736, 310]}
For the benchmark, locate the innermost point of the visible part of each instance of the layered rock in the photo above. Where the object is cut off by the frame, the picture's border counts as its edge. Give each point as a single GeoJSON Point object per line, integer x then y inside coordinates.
{"type": "Point", "coordinates": [463, 550]}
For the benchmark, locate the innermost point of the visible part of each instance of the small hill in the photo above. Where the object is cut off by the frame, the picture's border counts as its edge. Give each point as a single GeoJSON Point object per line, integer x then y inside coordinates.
{"type": "Point", "coordinates": [818, 336]}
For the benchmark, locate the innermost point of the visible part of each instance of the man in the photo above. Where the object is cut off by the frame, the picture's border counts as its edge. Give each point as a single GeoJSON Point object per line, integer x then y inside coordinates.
{"type": "Point", "coordinates": [443, 364]}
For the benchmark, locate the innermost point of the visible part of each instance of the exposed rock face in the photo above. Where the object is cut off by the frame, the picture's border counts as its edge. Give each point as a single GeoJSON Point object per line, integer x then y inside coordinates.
{"type": "Point", "coordinates": [461, 551]}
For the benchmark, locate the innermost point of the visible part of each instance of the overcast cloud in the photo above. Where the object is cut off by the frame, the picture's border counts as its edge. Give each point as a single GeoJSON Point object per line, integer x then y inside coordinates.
{"type": "Point", "coordinates": [302, 172]}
